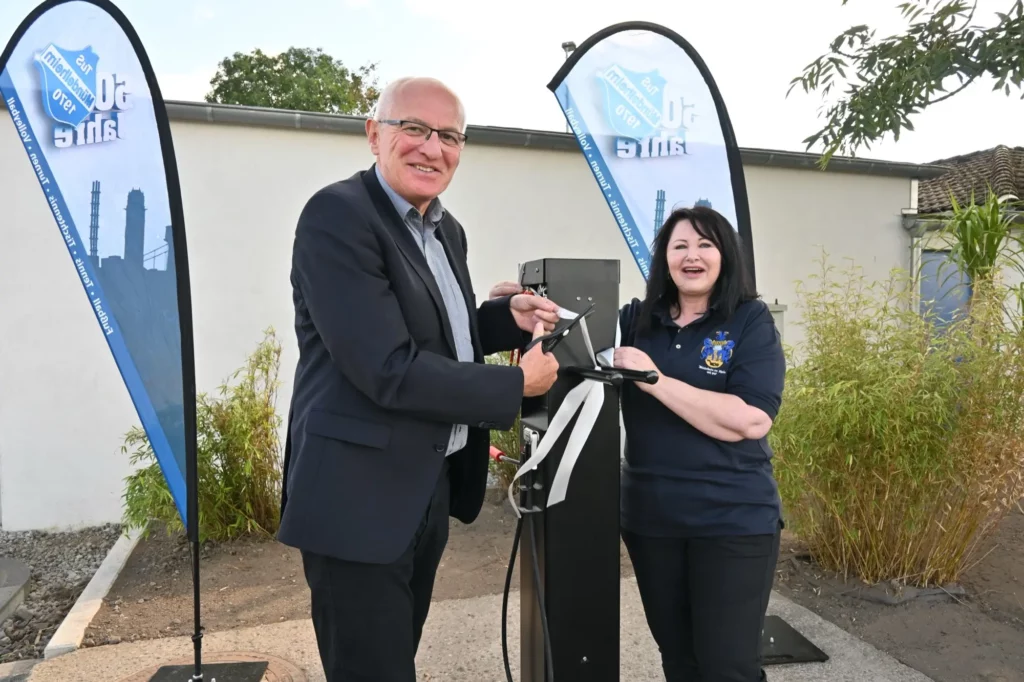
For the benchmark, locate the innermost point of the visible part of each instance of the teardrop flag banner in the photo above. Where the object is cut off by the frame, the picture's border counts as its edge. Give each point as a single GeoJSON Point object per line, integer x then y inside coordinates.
{"type": "Point", "coordinates": [85, 102]}
{"type": "Point", "coordinates": [86, 105]}
{"type": "Point", "coordinates": [652, 126]}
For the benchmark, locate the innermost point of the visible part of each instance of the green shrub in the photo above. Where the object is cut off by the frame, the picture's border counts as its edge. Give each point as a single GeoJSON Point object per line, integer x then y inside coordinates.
{"type": "Point", "coordinates": [899, 446]}
{"type": "Point", "coordinates": [506, 441]}
{"type": "Point", "coordinates": [238, 456]}
{"type": "Point", "coordinates": [983, 237]}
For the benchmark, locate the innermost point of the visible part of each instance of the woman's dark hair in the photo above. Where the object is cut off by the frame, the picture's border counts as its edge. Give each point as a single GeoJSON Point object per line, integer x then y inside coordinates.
{"type": "Point", "coordinates": [733, 286]}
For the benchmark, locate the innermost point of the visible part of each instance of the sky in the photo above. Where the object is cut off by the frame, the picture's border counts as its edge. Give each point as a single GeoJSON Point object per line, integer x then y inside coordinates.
{"type": "Point", "coordinates": [754, 48]}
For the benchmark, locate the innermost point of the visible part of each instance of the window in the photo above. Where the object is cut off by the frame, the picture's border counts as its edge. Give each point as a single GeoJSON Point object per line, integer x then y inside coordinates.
{"type": "Point", "coordinates": [945, 290]}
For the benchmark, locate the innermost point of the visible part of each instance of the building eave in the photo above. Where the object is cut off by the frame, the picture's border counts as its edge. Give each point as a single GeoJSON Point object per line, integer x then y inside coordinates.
{"type": "Point", "coordinates": [521, 137]}
{"type": "Point", "coordinates": [228, 114]}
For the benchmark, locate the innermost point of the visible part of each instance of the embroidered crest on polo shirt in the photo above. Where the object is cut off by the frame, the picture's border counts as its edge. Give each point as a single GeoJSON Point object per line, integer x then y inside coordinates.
{"type": "Point", "coordinates": [716, 353]}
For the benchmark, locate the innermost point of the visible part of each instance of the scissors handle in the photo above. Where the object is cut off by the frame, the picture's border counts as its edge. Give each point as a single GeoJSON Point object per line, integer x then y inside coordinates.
{"type": "Point", "coordinates": [554, 338]}
{"type": "Point", "coordinates": [549, 341]}
{"type": "Point", "coordinates": [647, 377]}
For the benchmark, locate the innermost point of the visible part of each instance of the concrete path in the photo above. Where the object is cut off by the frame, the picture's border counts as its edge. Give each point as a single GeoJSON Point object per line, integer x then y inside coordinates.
{"type": "Point", "coordinates": [17, 671]}
{"type": "Point", "coordinates": [462, 643]}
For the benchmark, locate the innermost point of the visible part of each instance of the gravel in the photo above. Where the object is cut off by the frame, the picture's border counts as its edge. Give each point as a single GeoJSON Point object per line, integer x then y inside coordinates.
{"type": "Point", "coordinates": [62, 564]}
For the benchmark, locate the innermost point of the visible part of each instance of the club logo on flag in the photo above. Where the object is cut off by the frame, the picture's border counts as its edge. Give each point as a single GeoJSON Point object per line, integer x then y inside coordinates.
{"type": "Point", "coordinates": [633, 101]}
{"type": "Point", "coordinates": [83, 102]}
{"type": "Point", "coordinates": [644, 113]}
{"type": "Point", "coordinates": [68, 83]}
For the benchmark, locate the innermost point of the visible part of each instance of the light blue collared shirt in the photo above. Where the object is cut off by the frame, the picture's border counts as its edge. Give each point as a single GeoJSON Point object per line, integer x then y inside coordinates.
{"type": "Point", "coordinates": [425, 234]}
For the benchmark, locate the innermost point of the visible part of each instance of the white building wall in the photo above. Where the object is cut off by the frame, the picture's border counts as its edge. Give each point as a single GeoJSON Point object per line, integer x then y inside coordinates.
{"type": "Point", "coordinates": [799, 216]}
{"type": "Point", "coordinates": [63, 407]}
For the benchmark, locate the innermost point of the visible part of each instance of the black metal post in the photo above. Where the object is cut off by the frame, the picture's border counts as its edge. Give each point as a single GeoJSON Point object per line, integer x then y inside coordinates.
{"type": "Point", "coordinates": [197, 635]}
{"type": "Point", "coordinates": [192, 505]}
{"type": "Point", "coordinates": [574, 545]}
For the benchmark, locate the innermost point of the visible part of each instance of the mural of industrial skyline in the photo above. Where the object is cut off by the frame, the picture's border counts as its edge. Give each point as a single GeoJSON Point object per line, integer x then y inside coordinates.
{"type": "Point", "coordinates": [659, 208]}
{"type": "Point", "coordinates": [140, 289]}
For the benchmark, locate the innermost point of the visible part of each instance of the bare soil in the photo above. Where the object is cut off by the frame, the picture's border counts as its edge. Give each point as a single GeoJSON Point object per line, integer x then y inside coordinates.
{"type": "Point", "coordinates": [245, 583]}
{"type": "Point", "coordinates": [972, 632]}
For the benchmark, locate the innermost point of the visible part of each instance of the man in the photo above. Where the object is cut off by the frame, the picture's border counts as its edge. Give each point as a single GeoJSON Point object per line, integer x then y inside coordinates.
{"type": "Point", "coordinates": [393, 403]}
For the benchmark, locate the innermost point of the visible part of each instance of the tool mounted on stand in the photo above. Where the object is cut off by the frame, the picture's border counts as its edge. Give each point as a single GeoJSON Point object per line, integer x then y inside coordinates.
{"type": "Point", "coordinates": [566, 489]}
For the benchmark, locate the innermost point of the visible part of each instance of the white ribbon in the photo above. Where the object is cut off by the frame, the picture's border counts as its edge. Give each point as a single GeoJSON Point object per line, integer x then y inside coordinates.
{"type": "Point", "coordinates": [590, 394]}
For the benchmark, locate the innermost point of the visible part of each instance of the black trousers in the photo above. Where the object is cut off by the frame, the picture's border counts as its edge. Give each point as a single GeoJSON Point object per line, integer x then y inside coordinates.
{"type": "Point", "coordinates": [705, 601]}
{"type": "Point", "coordinates": [368, 618]}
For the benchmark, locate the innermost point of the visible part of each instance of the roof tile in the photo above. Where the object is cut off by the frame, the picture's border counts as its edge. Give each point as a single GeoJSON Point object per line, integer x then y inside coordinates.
{"type": "Point", "coordinates": [1001, 168]}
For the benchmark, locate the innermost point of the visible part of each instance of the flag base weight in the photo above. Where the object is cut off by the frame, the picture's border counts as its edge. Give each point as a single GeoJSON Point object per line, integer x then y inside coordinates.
{"type": "Point", "coordinates": [781, 644]}
{"type": "Point", "coordinates": [223, 666]}
{"type": "Point", "coordinates": [247, 671]}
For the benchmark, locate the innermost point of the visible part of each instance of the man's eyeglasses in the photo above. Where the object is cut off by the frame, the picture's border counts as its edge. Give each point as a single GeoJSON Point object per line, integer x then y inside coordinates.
{"type": "Point", "coordinates": [449, 138]}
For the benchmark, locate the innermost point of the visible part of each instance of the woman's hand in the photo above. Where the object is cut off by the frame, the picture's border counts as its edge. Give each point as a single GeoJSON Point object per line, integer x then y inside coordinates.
{"type": "Point", "coordinates": [627, 357]}
{"type": "Point", "coordinates": [504, 289]}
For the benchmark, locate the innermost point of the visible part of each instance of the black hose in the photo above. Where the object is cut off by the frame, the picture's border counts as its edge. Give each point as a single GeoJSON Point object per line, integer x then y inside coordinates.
{"type": "Point", "coordinates": [504, 599]}
{"type": "Point", "coordinates": [548, 661]}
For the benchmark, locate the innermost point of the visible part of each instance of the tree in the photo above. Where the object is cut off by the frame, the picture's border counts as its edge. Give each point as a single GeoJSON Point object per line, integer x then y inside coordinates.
{"type": "Point", "coordinates": [301, 79]}
{"type": "Point", "coordinates": [899, 76]}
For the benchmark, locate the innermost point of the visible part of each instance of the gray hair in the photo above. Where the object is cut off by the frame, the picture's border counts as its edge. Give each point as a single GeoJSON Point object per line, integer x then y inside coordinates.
{"type": "Point", "coordinates": [390, 93]}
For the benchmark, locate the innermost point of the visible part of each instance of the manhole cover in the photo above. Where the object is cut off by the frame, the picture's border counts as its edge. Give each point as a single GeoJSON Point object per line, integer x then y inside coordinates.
{"type": "Point", "coordinates": [278, 669]}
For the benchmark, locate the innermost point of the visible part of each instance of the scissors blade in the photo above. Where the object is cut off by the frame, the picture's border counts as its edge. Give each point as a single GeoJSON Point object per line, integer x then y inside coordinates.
{"type": "Point", "coordinates": [586, 339]}
{"type": "Point", "coordinates": [586, 333]}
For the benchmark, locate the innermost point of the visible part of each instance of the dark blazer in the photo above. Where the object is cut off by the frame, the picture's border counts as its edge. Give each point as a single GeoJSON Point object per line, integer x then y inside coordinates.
{"type": "Point", "coordinates": [377, 386]}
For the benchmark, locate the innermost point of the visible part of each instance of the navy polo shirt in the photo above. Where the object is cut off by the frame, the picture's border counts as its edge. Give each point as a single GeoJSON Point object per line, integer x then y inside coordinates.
{"type": "Point", "coordinates": [676, 480]}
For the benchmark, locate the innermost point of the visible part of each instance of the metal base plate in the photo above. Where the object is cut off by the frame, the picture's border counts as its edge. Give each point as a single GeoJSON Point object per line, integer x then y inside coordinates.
{"type": "Point", "coordinates": [245, 671]}
{"type": "Point", "coordinates": [781, 644]}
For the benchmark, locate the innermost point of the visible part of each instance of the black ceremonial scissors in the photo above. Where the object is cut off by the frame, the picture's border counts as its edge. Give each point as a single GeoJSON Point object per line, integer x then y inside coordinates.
{"type": "Point", "coordinates": [551, 340]}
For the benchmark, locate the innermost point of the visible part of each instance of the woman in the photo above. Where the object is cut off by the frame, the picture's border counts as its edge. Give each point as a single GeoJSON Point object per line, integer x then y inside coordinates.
{"type": "Point", "coordinates": [700, 508]}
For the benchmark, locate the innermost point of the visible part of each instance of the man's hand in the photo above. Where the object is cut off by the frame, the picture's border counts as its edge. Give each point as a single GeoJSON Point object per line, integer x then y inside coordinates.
{"type": "Point", "coordinates": [530, 310]}
{"type": "Point", "coordinates": [540, 369]}
{"type": "Point", "coordinates": [504, 289]}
